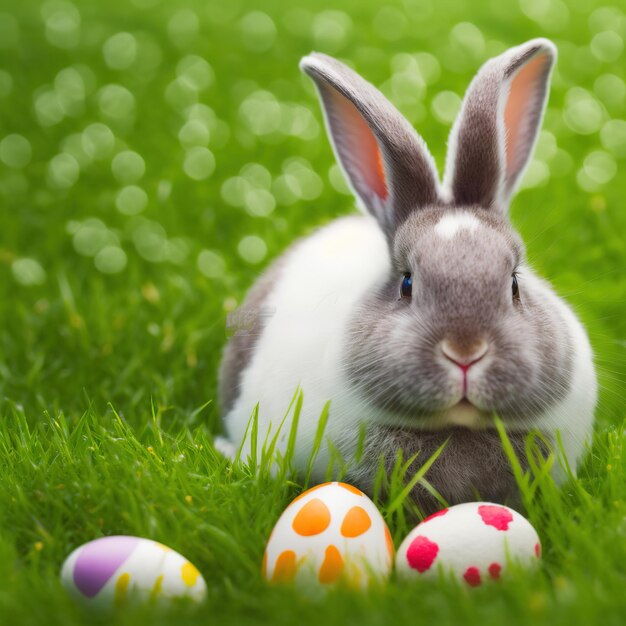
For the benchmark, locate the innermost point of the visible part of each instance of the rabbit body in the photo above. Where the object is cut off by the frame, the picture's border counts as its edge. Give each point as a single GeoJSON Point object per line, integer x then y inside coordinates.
{"type": "Point", "coordinates": [406, 318]}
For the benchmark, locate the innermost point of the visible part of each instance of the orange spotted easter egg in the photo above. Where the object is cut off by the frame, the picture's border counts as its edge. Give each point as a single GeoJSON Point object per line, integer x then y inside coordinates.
{"type": "Point", "coordinates": [112, 572]}
{"type": "Point", "coordinates": [330, 533]}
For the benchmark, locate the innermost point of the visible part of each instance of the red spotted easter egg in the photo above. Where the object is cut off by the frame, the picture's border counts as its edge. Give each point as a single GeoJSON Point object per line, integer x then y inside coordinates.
{"type": "Point", "coordinates": [115, 571]}
{"type": "Point", "coordinates": [328, 534]}
{"type": "Point", "coordinates": [476, 541]}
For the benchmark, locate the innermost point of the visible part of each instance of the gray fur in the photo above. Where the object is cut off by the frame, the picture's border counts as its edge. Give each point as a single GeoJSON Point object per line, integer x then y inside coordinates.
{"type": "Point", "coordinates": [461, 291]}
{"type": "Point", "coordinates": [472, 466]}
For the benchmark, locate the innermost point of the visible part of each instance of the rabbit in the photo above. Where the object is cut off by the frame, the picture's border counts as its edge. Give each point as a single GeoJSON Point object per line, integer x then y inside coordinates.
{"type": "Point", "coordinates": [417, 318]}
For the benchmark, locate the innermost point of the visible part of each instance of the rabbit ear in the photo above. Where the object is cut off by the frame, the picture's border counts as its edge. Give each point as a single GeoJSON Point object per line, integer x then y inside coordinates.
{"type": "Point", "coordinates": [495, 132]}
{"type": "Point", "coordinates": [385, 161]}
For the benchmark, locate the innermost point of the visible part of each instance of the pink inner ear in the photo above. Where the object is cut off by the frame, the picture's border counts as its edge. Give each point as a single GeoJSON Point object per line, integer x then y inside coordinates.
{"type": "Point", "coordinates": [519, 105]}
{"type": "Point", "coordinates": [360, 140]}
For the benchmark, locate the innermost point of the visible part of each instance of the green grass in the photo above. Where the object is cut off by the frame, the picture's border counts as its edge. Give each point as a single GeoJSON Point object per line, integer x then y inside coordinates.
{"type": "Point", "coordinates": [111, 330]}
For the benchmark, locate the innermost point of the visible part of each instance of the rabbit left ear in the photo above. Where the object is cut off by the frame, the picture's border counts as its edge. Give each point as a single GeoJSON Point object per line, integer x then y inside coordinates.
{"type": "Point", "coordinates": [494, 134]}
{"type": "Point", "coordinates": [385, 161]}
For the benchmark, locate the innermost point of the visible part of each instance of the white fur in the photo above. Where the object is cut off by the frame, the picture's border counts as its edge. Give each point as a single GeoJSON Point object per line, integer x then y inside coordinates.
{"type": "Point", "coordinates": [301, 344]}
{"type": "Point", "coordinates": [449, 225]}
{"type": "Point", "coordinates": [573, 416]}
{"type": "Point", "coordinates": [225, 447]}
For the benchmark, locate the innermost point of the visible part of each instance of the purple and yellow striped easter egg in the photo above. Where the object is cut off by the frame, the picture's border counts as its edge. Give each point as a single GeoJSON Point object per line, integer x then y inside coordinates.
{"type": "Point", "coordinates": [113, 571]}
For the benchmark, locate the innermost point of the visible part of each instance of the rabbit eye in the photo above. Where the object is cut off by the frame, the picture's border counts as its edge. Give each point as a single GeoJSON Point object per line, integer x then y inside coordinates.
{"type": "Point", "coordinates": [515, 288]}
{"type": "Point", "coordinates": [406, 287]}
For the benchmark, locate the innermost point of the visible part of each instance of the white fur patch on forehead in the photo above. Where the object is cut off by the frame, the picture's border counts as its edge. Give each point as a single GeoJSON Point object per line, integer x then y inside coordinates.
{"type": "Point", "coordinates": [450, 225]}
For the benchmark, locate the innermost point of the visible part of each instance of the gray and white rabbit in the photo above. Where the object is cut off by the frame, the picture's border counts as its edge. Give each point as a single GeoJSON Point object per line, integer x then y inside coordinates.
{"type": "Point", "coordinates": [420, 318]}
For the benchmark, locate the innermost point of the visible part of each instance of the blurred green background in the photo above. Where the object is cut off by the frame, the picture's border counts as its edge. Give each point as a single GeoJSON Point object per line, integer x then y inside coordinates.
{"type": "Point", "coordinates": [155, 156]}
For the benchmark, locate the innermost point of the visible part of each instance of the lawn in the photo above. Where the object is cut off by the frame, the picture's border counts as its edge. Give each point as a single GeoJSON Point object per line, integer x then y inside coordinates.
{"type": "Point", "coordinates": [154, 158]}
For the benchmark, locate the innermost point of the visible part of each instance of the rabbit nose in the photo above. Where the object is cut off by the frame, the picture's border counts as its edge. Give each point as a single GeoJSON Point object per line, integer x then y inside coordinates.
{"type": "Point", "coordinates": [464, 358]}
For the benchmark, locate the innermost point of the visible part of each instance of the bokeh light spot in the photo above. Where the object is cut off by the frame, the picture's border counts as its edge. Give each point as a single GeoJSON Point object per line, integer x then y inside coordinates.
{"type": "Point", "coordinates": [257, 175]}
{"type": "Point", "coordinates": [308, 182]}
{"type": "Point", "coordinates": [611, 89]}
{"type": "Point", "coordinates": [196, 71]}
{"type": "Point", "coordinates": [298, 121]}
{"type": "Point", "coordinates": [110, 260]}
{"type": "Point", "coordinates": [551, 15]}
{"type": "Point", "coordinates": [128, 166]}
{"type": "Point", "coordinates": [62, 21]}
{"type": "Point", "coordinates": [583, 113]}
{"type": "Point", "coordinates": [600, 167]}
{"type": "Point", "coordinates": [258, 31]}
{"type": "Point", "coordinates": [234, 190]}
{"type": "Point", "coordinates": [407, 85]}
{"type": "Point", "coordinates": [91, 236]}
{"type": "Point", "coordinates": [211, 264]}
{"type": "Point", "coordinates": [469, 38]}
{"type": "Point", "coordinates": [331, 30]}
{"type": "Point", "coordinates": [429, 67]}
{"type": "Point", "coordinates": [585, 182]}
{"type": "Point", "coordinates": [98, 141]}
{"type": "Point", "coordinates": [15, 151]}
{"type": "Point", "coordinates": [261, 112]}
{"type": "Point", "coordinates": [180, 94]}
{"type": "Point", "coordinates": [194, 133]}
{"type": "Point", "coordinates": [606, 18]}
{"type": "Point", "coordinates": [28, 272]}
{"type": "Point", "coordinates": [613, 137]}
{"type": "Point", "coordinates": [120, 51]}
{"type": "Point", "coordinates": [607, 46]}
{"type": "Point", "coordinates": [48, 109]}
{"type": "Point", "coordinates": [131, 200]}
{"type": "Point", "coordinates": [63, 171]}
{"type": "Point", "coordinates": [199, 163]}
{"type": "Point", "coordinates": [259, 202]}
{"type": "Point", "coordinates": [150, 240]}
{"type": "Point", "coordinates": [70, 91]}
{"type": "Point", "coordinates": [252, 249]}
{"type": "Point", "coordinates": [116, 102]}
{"type": "Point", "coordinates": [445, 106]}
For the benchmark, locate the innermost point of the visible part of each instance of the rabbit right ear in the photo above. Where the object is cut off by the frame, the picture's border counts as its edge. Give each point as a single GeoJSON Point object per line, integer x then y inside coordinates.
{"type": "Point", "coordinates": [385, 161]}
{"type": "Point", "coordinates": [495, 132]}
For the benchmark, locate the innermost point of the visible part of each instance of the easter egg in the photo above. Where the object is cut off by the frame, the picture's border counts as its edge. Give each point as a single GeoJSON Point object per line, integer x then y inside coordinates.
{"type": "Point", "coordinates": [476, 541]}
{"type": "Point", "coordinates": [113, 571]}
{"type": "Point", "coordinates": [330, 533]}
